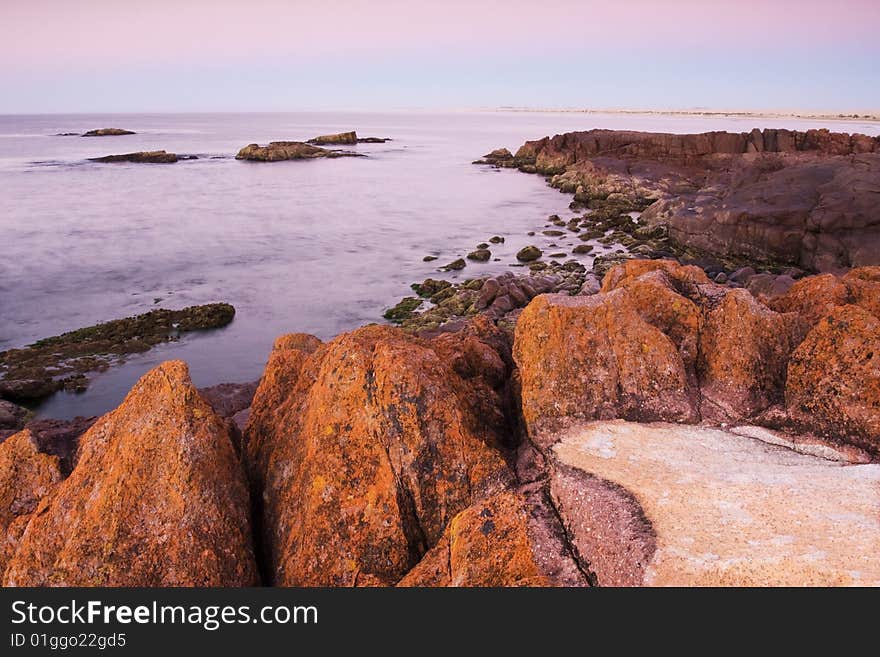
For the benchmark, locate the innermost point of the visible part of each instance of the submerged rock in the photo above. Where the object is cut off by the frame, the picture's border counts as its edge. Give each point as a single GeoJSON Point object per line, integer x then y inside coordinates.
{"type": "Point", "coordinates": [37, 371]}
{"type": "Point", "coordinates": [277, 151]}
{"type": "Point", "coordinates": [107, 132]}
{"type": "Point", "coordinates": [157, 498]}
{"type": "Point", "coordinates": [144, 157]}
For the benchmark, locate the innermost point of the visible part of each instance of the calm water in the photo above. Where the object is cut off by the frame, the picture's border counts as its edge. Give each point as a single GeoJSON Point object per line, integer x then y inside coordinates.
{"type": "Point", "coordinates": [319, 247]}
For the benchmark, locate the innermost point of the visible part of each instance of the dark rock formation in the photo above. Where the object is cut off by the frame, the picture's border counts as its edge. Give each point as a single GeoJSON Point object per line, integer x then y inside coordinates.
{"type": "Point", "coordinates": [780, 196]}
{"type": "Point", "coordinates": [107, 132]}
{"type": "Point", "coordinates": [144, 157]}
{"type": "Point", "coordinates": [345, 138]}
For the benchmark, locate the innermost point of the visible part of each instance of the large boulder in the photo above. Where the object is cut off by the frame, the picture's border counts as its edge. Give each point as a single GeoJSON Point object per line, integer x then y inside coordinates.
{"type": "Point", "coordinates": [363, 450]}
{"type": "Point", "coordinates": [630, 351]}
{"type": "Point", "coordinates": [833, 384]}
{"type": "Point", "coordinates": [26, 476]}
{"type": "Point", "coordinates": [157, 498]}
{"type": "Point", "coordinates": [744, 349]}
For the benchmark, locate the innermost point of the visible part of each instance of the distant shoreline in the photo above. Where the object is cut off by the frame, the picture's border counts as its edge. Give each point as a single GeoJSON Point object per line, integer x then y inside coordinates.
{"type": "Point", "coordinates": [819, 116]}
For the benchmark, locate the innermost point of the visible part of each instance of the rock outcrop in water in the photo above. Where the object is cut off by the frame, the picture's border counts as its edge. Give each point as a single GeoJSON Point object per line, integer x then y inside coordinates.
{"type": "Point", "coordinates": [62, 362]}
{"type": "Point", "coordinates": [345, 138]}
{"type": "Point", "coordinates": [145, 157]}
{"type": "Point", "coordinates": [278, 151]}
{"type": "Point", "coordinates": [624, 437]}
{"type": "Point", "coordinates": [804, 198]}
{"type": "Point", "coordinates": [107, 132]}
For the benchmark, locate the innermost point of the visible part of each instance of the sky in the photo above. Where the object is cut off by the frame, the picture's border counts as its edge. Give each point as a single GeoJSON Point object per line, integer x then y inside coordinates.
{"type": "Point", "coordinates": [286, 55]}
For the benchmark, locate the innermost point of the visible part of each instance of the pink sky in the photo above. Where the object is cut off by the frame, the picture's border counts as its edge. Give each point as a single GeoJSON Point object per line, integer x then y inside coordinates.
{"type": "Point", "coordinates": [49, 33]}
{"type": "Point", "coordinates": [743, 53]}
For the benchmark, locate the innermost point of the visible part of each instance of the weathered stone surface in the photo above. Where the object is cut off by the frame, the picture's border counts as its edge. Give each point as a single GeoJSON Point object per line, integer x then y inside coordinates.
{"type": "Point", "coordinates": [662, 342]}
{"type": "Point", "coordinates": [744, 349]}
{"type": "Point", "coordinates": [157, 498]}
{"type": "Point", "coordinates": [288, 150]}
{"type": "Point", "coordinates": [629, 351]}
{"type": "Point", "coordinates": [26, 477]}
{"type": "Point", "coordinates": [366, 448]}
{"type": "Point", "coordinates": [805, 198]}
{"type": "Point", "coordinates": [704, 507]}
{"type": "Point", "coordinates": [509, 539]}
{"type": "Point", "coordinates": [833, 384]}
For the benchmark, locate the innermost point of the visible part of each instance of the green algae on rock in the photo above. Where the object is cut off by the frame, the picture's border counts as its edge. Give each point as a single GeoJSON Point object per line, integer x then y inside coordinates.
{"type": "Point", "coordinates": [61, 361]}
{"type": "Point", "coordinates": [403, 310]}
{"type": "Point", "coordinates": [528, 253]}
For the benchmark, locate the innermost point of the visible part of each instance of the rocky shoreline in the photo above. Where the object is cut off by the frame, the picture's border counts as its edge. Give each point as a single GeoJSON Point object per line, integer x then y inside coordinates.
{"type": "Point", "coordinates": [559, 426]}
{"type": "Point", "coordinates": [484, 454]}
{"type": "Point", "coordinates": [805, 199]}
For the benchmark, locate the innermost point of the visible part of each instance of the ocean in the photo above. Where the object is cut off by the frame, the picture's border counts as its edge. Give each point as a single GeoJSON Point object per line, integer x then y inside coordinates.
{"type": "Point", "coordinates": [317, 246]}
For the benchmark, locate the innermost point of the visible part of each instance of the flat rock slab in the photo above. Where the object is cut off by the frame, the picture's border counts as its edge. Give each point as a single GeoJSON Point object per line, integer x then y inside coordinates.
{"type": "Point", "coordinates": [727, 509]}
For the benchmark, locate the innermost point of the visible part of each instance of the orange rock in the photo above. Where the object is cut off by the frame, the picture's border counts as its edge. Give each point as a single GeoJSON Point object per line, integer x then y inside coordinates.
{"type": "Point", "coordinates": [596, 357]}
{"type": "Point", "coordinates": [289, 355]}
{"type": "Point", "coordinates": [863, 284]}
{"type": "Point", "coordinates": [812, 297]}
{"type": "Point", "coordinates": [26, 477]}
{"type": "Point", "coordinates": [834, 378]}
{"type": "Point", "coordinates": [686, 275]}
{"type": "Point", "coordinates": [378, 445]}
{"type": "Point", "coordinates": [499, 541]}
{"type": "Point", "coordinates": [657, 301]}
{"type": "Point", "coordinates": [157, 498]}
{"type": "Point", "coordinates": [744, 350]}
